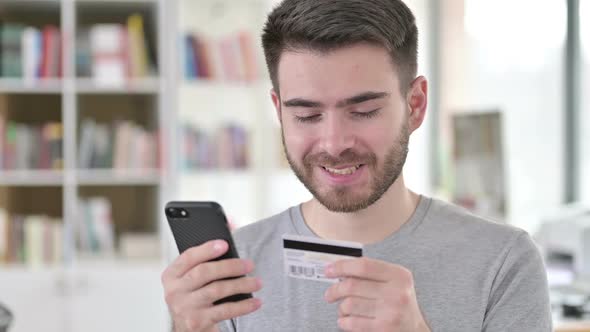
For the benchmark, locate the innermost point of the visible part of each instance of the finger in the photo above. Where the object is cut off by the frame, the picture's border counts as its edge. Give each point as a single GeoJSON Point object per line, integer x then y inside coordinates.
{"type": "Point", "coordinates": [231, 310]}
{"type": "Point", "coordinates": [355, 287]}
{"type": "Point", "coordinates": [356, 323]}
{"type": "Point", "coordinates": [357, 306]}
{"type": "Point", "coordinates": [364, 268]}
{"type": "Point", "coordinates": [205, 273]}
{"type": "Point", "coordinates": [194, 256]}
{"type": "Point", "coordinates": [223, 288]}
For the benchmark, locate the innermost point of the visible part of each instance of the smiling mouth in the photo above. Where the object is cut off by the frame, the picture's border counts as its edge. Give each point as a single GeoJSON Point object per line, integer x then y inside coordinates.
{"type": "Point", "coordinates": [342, 171]}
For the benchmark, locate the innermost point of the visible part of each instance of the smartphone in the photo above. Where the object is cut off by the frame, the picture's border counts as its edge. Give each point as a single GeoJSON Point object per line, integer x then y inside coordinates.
{"type": "Point", "coordinates": [194, 223]}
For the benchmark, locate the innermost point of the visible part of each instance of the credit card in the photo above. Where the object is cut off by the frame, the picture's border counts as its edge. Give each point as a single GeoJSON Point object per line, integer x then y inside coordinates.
{"type": "Point", "coordinates": [307, 257]}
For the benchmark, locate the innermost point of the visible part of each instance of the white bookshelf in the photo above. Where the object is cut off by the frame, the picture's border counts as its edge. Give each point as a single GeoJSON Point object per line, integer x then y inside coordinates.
{"type": "Point", "coordinates": [73, 95]}
{"type": "Point", "coordinates": [246, 194]}
{"type": "Point", "coordinates": [31, 178]}
{"type": "Point", "coordinates": [78, 287]}
{"type": "Point", "coordinates": [118, 177]}
{"type": "Point", "coordinates": [132, 86]}
{"type": "Point", "coordinates": [19, 86]}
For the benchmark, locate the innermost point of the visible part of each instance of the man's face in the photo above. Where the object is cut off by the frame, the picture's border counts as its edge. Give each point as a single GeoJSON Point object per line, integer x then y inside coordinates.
{"type": "Point", "coordinates": [344, 127]}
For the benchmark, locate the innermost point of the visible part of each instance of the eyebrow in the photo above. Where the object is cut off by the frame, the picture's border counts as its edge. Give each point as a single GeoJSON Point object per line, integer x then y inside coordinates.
{"type": "Point", "coordinates": [360, 98]}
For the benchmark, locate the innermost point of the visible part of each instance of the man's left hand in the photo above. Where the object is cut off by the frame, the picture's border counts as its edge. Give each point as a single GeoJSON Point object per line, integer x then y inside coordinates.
{"type": "Point", "coordinates": [375, 296]}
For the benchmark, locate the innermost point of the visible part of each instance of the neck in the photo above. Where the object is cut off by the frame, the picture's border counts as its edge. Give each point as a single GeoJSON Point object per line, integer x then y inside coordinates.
{"type": "Point", "coordinates": [370, 225]}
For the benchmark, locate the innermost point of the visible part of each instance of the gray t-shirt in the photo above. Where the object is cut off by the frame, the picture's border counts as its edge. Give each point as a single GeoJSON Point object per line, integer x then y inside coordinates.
{"type": "Point", "coordinates": [470, 274]}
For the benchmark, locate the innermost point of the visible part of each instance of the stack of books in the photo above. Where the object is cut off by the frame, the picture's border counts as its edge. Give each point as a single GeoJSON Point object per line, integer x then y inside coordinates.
{"type": "Point", "coordinates": [227, 148]}
{"type": "Point", "coordinates": [30, 53]}
{"type": "Point", "coordinates": [229, 59]}
{"type": "Point", "coordinates": [24, 146]}
{"type": "Point", "coordinates": [94, 227]}
{"type": "Point", "coordinates": [33, 240]}
{"type": "Point", "coordinates": [124, 145]}
{"type": "Point", "coordinates": [112, 54]}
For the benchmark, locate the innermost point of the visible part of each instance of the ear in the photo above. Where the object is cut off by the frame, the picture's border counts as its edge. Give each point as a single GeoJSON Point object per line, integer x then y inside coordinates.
{"type": "Point", "coordinates": [417, 99]}
{"type": "Point", "coordinates": [276, 100]}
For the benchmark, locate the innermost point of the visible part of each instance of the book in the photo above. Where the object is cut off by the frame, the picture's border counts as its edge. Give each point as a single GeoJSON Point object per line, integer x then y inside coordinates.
{"type": "Point", "coordinates": [32, 53]}
{"type": "Point", "coordinates": [95, 230]}
{"type": "Point", "coordinates": [100, 212]}
{"type": "Point", "coordinates": [11, 50]}
{"type": "Point", "coordinates": [54, 135]}
{"type": "Point", "coordinates": [51, 48]}
{"type": "Point", "coordinates": [86, 146]}
{"type": "Point", "coordinates": [18, 253]}
{"type": "Point", "coordinates": [33, 240]}
{"type": "Point", "coordinates": [57, 240]}
{"type": "Point", "coordinates": [123, 139]}
{"type": "Point", "coordinates": [138, 55]}
{"type": "Point", "coordinates": [108, 43]}
{"type": "Point", "coordinates": [227, 65]}
{"type": "Point", "coordinates": [248, 56]}
{"type": "Point", "coordinates": [191, 69]}
{"type": "Point", "coordinates": [139, 246]}
{"type": "Point", "coordinates": [10, 146]}
{"type": "Point", "coordinates": [22, 146]}
{"type": "Point", "coordinates": [3, 235]}
{"type": "Point", "coordinates": [2, 130]}
{"type": "Point", "coordinates": [83, 53]}
{"type": "Point", "coordinates": [103, 146]}
{"type": "Point", "coordinates": [203, 58]}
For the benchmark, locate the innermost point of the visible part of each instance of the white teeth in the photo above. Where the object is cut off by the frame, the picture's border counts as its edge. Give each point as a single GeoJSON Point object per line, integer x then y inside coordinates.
{"type": "Point", "coordinates": [343, 171]}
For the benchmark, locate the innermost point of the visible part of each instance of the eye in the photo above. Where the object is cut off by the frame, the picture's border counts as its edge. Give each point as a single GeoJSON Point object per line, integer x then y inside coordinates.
{"type": "Point", "coordinates": [366, 115]}
{"type": "Point", "coordinates": [308, 119]}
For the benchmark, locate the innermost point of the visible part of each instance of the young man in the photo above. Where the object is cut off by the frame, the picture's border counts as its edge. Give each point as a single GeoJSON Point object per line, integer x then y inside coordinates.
{"type": "Point", "coordinates": [346, 93]}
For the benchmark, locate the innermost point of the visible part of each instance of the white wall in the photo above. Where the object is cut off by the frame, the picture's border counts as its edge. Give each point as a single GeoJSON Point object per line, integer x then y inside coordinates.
{"type": "Point", "coordinates": [585, 106]}
{"type": "Point", "coordinates": [503, 66]}
{"type": "Point", "coordinates": [417, 168]}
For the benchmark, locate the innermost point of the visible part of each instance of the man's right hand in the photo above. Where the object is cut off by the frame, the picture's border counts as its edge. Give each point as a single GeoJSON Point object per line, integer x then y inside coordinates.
{"type": "Point", "coordinates": [192, 284]}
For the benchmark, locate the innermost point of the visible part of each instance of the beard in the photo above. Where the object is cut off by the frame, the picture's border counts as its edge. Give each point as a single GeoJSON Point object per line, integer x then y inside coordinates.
{"type": "Point", "coordinates": [347, 199]}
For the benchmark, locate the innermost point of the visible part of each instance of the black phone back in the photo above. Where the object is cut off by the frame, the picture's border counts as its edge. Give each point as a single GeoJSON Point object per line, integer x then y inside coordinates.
{"type": "Point", "coordinates": [205, 221]}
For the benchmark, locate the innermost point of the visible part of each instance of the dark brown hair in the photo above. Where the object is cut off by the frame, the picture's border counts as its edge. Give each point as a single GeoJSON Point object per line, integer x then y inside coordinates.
{"type": "Point", "coordinates": [327, 25]}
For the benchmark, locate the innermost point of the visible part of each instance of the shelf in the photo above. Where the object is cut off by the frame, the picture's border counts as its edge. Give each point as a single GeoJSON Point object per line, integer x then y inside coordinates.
{"type": "Point", "coordinates": [22, 268]}
{"type": "Point", "coordinates": [33, 4]}
{"type": "Point", "coordinates": [31, 178]}
{"type": "Point", "coordinates": [220, 174]}
{"type": "Point", "coordinates": [116, 1]}
{"type": "Point", "coordinates": [123, 177]}
{"type": "Point", "coordinates": [20, 86]}
{"type": "Point", "coordinates": [278, 171]}
{"type": "Point", "coordinates": [218, 84]}
{"type": "Point", "coordinates": [233, 2]}
{"type": "Point", "coordinates": [83, 261]}
{"type": "Point", "coordinates": [81, 85]}
{"type": "Point", "coordinates": [133, 86]}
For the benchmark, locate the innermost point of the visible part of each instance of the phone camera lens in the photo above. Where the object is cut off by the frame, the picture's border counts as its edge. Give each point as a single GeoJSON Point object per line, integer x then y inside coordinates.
{"type": "Point", "coordinates": [183, 213]}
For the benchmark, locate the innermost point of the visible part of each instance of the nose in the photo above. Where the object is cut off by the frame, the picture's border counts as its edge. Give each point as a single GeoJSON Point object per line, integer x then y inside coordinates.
{"type": "Point", "coordinates": [336, 135]}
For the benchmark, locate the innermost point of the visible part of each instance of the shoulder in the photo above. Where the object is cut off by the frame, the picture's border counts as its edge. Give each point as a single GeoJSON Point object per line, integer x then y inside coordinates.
{"type": "Point", "coordinates": [447, 215]}
{"type": "Point", "coordinates": [453, 224]}
{"type": "Point", "coordinates": [494, 248]}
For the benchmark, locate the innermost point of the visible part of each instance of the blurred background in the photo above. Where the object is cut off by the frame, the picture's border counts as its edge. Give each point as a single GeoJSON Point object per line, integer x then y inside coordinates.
{"type": "Point", "coordinates": [109, 109]}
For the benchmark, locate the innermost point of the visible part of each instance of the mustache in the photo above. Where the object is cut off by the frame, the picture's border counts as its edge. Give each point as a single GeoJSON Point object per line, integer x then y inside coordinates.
{"type": "Point", "coordinates": [346, 157]}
